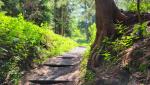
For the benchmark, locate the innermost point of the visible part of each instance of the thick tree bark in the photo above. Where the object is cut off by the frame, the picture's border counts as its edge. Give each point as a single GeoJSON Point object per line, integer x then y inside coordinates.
{"type": "Point", "coordinates": [106, 13]}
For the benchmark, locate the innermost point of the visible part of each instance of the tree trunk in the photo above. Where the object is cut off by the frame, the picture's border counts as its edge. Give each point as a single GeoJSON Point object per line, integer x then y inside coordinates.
{"type": "Point", "coordinates": [106, 14]}
{"type": "Point", "coordinates": [58, 18]}
{"type": "Point", "coordinates": [61, 19]}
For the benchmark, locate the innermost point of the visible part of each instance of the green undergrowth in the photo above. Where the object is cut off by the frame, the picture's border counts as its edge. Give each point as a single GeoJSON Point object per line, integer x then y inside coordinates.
{"type": "Point", "coordinates": [79, 37]}
{"type": "Point", "coordinates": [87, 75]}
{"type": "Point", "coordinates": [112, 47]}
{"type": "Point", "coordinates": [23, 44]}
{"type": "Point", "coordinates": [84, 39]}
{"type": "Point", "coordinates": [131, 5]}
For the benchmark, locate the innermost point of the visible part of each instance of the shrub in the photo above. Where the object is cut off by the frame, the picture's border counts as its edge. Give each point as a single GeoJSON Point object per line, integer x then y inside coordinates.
{"type": "Point", "coordinates": [131, 5]}
{"type": "Point", "coordinates": [23, 43]}
{"type": "Point", "coordinates": [92, 32]}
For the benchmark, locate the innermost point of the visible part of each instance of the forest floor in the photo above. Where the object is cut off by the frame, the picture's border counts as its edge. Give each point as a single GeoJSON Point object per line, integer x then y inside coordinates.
{"type": "Point", "coordinates": [60, 70]}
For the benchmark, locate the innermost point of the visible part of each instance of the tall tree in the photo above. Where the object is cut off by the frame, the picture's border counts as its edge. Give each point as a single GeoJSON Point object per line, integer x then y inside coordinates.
{"type": "Point", "coordinates": [61, 17]}
{"type": "Point", "coordinates": [106, 13]}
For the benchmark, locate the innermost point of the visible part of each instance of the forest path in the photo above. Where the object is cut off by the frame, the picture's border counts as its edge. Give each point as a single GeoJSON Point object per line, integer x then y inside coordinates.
{"type": "Point", "coordinates": [60, 70]}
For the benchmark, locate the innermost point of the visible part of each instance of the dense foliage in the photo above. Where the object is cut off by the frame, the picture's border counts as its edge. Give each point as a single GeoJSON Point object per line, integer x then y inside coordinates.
{"type": "Point", "coordinates": [131, 5]}
{"type": "Point", "coordinates": [23, 43]}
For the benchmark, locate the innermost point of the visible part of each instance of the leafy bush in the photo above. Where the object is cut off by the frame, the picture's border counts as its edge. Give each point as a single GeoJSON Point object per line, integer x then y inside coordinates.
{"type": "Point", "coordinates": [92, 32]}
{"type": "Point", "coordinates": [86, 75]}
{"type": "Point", "coordinates": [140, 29]}
{"type": "Point", "coordinates": [144, 6]}
{"type": "Point", "coordinates": [23, 43]}
{"type": "Point", "coordinates": [131, 5]}
{"type": "Point", "coordinates": [113, 47]}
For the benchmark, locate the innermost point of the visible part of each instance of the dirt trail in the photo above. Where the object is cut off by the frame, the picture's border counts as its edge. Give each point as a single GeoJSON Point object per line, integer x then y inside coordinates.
{"type": "Point", "coordinates": [60, 70]}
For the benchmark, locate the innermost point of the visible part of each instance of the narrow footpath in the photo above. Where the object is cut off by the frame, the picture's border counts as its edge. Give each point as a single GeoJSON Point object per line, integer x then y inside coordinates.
{"type": "Point", "coordinates": [60, 70]}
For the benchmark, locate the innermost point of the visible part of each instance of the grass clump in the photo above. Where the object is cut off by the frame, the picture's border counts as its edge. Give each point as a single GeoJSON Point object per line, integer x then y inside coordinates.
{"type": "Point", "coordinates": [87, 76]}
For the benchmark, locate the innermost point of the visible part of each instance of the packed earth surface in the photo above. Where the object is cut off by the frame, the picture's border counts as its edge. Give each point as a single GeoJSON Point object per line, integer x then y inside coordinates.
{"type": "Point", "coordinates": [60, 70]}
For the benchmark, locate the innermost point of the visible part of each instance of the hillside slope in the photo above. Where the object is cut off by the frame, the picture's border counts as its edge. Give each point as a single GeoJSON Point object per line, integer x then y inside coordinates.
{"type": "Point", "coordinates": [125, 60]}
{"type": "Point", "coordinates": [24, 45]}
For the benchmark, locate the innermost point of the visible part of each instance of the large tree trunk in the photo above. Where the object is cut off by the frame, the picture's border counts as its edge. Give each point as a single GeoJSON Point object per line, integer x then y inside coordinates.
{"type": "Point", "coordinates": [106, 14]}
